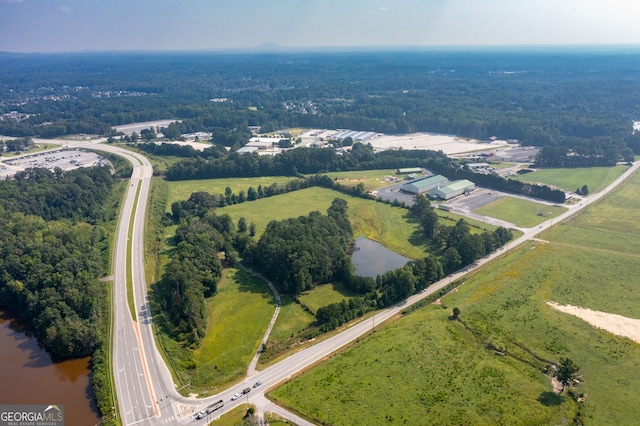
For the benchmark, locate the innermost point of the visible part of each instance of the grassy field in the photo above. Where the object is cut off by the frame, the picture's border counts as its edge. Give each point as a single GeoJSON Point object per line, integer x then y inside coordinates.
{"type": "Point", "coordinates": [324, 295]}
{"type": "Point", "coordinates": [181, 190]}
{"type": "Point", "coordinates": [428, 369]}
{"type": "Point", "coordinates": [520, 212]}
{"type": "Point", "coordinates": [372, 179]}
{"type": "Point", "coordinates": [238, 317]}
{"type": "Point", "coordinates": [381, 222]}
{"type": "Point", "coordinates": [596, 178]}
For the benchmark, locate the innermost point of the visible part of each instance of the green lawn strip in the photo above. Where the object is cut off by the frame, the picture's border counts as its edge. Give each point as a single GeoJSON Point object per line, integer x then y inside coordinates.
{"type": "Point", "coordinates": [130, 299]}
{"type": "Point", "coordinates": [181, 190]}
{"type": "Point", "coordinates": [596, 178]}
{"type": "Point", "coordinates": [323, 295]}
{"type": "Point", "coordinates": [234, 417]}
{"type": "Point", "coordinates": [520, 212]}
{"type": "Point", "coordinates": [238, 317]}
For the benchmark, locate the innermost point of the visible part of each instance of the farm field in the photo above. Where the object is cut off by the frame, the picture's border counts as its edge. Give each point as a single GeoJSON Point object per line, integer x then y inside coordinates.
{"type": "Point", "coordinates": [520, 212]}
{"type": "Point", "coordinates": [428, 367]}
{"type": "Point", "coordinates": [596, 178]}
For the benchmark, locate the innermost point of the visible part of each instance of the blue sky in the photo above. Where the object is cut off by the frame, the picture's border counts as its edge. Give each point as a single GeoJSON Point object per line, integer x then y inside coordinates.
{"type": "Point", "coordinates": [74, 25]}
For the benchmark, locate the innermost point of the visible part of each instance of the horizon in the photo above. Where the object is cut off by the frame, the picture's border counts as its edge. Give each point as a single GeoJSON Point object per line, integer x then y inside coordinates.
{"type": "Point", "coordinates": [44, 26]}
{"type": "Point", "coordinates": [269, 47]}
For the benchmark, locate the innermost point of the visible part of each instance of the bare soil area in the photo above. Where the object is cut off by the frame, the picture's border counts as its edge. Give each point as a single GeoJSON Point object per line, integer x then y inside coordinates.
{"type": "Point", "coordinates": [613, 323]}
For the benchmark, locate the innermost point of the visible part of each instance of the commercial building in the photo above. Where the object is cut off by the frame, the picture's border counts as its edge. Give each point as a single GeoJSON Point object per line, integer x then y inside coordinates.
{"type": "Point", "coordinates": [422, 185]}
{"type": "Point", "coordinates": [453, 189]}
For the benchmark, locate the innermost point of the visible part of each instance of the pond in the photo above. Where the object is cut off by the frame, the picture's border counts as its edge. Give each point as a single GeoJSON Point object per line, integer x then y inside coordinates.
{"type": "Point", "coordinates": [29, 376]}
{"type": "Point", "coordinates": [372, 258]}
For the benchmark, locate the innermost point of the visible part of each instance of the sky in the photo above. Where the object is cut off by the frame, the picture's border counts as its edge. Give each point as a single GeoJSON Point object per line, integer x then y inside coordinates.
{"type": "Point", "coordinates": [107, 25]}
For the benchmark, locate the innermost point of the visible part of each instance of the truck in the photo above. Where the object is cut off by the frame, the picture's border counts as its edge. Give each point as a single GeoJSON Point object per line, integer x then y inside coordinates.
{"type": "Point", "coordinates": [210, 409]}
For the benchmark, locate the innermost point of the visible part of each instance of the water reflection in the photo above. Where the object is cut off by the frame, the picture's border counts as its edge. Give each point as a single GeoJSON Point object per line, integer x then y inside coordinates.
{"type": "Point", "coordinates": [29, 376]}
{"type": "Point", "coordinates": [372, 259]}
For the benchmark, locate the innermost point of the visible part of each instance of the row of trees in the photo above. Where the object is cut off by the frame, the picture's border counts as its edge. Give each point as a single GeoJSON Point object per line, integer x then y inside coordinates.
{"type": "Point", "coordinates": [362, 157]}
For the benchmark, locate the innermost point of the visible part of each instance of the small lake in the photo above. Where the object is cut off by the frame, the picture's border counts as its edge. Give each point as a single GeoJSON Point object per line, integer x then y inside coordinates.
{"type": "Point", "coordinates": [372, 259]}
{"type": "Point", "coordinates": [29, 376]}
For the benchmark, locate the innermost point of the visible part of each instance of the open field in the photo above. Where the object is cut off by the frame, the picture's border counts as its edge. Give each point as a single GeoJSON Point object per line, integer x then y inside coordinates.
{"type": "Point", "coordinates": [378, 221]}
{"type": "Point", "coordinates": [181, 190]}
{"type": "Point", "coordinates": [596, 178]}
{"type": "Point", "coordinates": [372, 179]}
{"type": "Point", "coordinates": [238, 317]}
{"type": "Point", "coordinates": [324, 295]}
{"type": "Point", "coordinates": [425, 366]}
{"type": "Point", "coordinates": [520, 212]}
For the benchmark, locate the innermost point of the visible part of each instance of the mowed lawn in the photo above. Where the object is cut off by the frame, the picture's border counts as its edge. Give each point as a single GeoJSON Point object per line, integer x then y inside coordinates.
{"type": "Point", "coordinates": [238, 318]}
{"type": "Point", "coordinates": [596, 178]}
{"type": "Point", "coordinates": [431, 370]}
{"type": "Point", "coordinates": [520, 212]}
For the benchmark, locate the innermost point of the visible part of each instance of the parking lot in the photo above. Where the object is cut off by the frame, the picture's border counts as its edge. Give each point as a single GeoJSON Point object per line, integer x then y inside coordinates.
{"type": "Point", "coordinates": [63, 159]}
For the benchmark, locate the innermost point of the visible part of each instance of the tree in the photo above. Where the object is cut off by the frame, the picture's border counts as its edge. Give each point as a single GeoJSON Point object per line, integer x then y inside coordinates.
{"type": "Point", "coordinates": [455, 314]}
{"type": "Point", "coordinates": [567, 372]}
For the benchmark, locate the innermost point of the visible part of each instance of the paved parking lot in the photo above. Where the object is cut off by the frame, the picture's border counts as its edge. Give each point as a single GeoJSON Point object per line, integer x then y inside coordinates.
{"type": "Point", "coordinates": [63, 159]}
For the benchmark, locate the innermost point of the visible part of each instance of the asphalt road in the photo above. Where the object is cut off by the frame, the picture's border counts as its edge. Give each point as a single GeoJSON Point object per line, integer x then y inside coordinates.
{"type": "Point", "coordinates": [145, 389]}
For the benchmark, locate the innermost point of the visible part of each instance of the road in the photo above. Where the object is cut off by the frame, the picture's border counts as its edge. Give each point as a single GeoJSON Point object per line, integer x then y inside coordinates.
{"type": "Point", "coordinates": [145, 389]}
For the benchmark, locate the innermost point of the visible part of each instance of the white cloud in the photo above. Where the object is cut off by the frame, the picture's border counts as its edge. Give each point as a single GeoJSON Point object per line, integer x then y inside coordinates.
{"type": "Point", "coordinates": [64, 8]}
{"type": "Point", "coordinates": [384, 9]}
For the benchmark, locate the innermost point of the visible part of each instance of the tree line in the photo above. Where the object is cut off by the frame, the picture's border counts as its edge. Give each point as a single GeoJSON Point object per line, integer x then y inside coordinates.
{"type": "Point", "coordinates": [318, 160]}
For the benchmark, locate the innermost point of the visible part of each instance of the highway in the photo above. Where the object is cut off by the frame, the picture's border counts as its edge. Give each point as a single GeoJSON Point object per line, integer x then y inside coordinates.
{"type": "Point", "coordinates": [145, 390]}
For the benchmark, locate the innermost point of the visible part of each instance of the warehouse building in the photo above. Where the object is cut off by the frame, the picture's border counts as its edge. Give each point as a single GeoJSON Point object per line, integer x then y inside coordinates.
{"type": "Point", "coordinates": [422, 185]}
{"type": "Point", "coordinates": [447, 192]}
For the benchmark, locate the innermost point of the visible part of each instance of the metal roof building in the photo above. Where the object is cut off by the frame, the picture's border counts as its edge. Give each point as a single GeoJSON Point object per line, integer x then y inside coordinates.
{"type": "Point", "coordinates": [422, 185]}
{"type": "Point", "coordinates": [453, 189]}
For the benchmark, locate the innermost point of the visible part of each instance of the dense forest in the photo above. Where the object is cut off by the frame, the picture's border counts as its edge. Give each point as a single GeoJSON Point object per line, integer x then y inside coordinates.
{"type": "Point", "coordinates": [583, 100]}
{"type": "Point", "coordinates": [53, 250]}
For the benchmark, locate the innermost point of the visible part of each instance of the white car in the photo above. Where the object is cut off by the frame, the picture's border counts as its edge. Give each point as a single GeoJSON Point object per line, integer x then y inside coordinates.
{"type": "Point", "coordinates": [236, 396]}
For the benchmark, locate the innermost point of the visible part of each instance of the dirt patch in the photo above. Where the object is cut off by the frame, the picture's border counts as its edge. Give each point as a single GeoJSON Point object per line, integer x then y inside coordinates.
{"type": "Point", "coordinates": [613, 323]}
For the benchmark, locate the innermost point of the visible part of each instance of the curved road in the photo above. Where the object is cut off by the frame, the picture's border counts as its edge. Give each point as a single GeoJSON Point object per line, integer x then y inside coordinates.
{"type": "Point", "coordinates": [145, 388]}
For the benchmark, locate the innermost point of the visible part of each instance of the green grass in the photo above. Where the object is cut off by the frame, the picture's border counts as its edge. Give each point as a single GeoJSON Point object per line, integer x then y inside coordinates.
{"type": "Point", "coordinates": [182, 190]}
{"type": "Point", "coordinates": [596, 178]}
{"type": "Point", "coordinates": [324, 295]}
{"type": "Point", "coordinates": [520, 212]}
{"type": "Point", "coordinates": [233, 417]}
{"type": "Point", "coordinates": [130, 295]}
{"type": "Point", "coordinates": [372, 179]}
{"type": "Point", "coordinates": [239, 316]}
{"type": "Point", "coordinates": [425, 366]}
{"type": "Point", "coordinates": [381, 222]}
